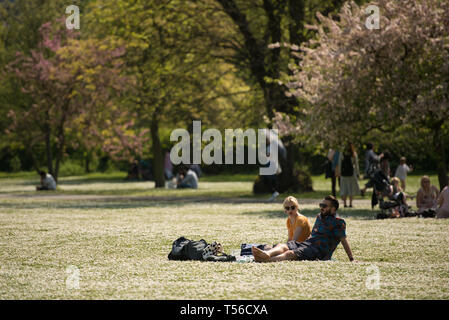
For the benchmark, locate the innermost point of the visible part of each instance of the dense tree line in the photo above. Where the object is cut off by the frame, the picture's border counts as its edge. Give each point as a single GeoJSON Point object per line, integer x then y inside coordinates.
{"type": "Point", "coordinates": [138, 69]}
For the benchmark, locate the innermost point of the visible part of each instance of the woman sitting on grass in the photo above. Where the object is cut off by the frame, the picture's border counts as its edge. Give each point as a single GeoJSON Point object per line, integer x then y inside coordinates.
{"type": "Point", "coordinates": [298, 226]}
{"type": "Point", "coordinates": [427, 195]}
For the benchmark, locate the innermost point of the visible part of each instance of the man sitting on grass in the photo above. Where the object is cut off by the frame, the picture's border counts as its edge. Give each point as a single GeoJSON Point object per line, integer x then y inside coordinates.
{"type": "Point", "coordinates": [187, 178]}
{"type": "Point", "coordinates": [327, 233]}
{"type": "Point", "coordinates": [47, 182]}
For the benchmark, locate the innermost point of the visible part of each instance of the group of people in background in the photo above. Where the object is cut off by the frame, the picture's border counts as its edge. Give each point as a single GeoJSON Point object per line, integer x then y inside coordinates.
{"type": "Point", "coordinates": [344, 168]}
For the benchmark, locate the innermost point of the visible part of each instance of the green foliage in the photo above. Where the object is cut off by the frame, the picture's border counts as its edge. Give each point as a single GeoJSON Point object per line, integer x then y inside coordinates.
{"type": "Point", "coordinates": [71, 168]}
{"type": "Point", "coordinates": [15, 164]}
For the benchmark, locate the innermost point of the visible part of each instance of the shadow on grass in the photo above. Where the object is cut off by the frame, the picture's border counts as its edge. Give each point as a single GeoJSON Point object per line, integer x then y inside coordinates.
{"type": "Point", "coordinates": [100, 205]}
{"type": "Point", "coordinates": [82, 180]}
{"type": "Point", "coordinates": [71, 201]}
{"type": "Point", "coordinates": [359, 214]}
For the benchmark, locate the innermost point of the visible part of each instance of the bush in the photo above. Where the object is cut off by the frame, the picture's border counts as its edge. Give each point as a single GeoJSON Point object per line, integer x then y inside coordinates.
{"type": "Point", "coordinates": [15, 164]}
{"type": "Point", "coordinates": [71, 168]}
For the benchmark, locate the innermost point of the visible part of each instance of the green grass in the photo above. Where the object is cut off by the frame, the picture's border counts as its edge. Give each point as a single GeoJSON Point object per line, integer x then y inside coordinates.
{"type": "Point", "coordinates": [118, 234]}
{"type": "Point", "coordinates": [113, 183]}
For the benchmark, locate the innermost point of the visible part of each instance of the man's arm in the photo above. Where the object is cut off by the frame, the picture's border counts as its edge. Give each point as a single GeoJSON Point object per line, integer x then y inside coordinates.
{"type": "Point", "coordinates": [345, 243]}
{"type": "Point", "coordinates": [187, 179]}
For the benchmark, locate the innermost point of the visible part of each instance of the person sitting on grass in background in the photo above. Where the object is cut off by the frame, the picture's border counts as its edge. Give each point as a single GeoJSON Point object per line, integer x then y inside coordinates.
{"type": "Point", "coordinates": [47, 182]}
{"type": "Point", "coordinates": [187, 179]}
{"type": "Point", "coordinates": [402, 170]}
{"type": "Point", "coordinates": [327, 233]}
{"type": "Point", "coordinates": [426, 198]}
{"type": "Point", "coordinates": [443, 203]}
{"type": "Point", "coordinates": [397, 192]}
{"type": "Point", "coordinates": [298, 226]}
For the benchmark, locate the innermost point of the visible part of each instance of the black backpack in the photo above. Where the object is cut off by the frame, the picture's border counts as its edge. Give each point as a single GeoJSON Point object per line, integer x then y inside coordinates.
{"type": "Point", "coordinates": [185, 249]}
{"type": "Point", "coordinates": [347, 169]}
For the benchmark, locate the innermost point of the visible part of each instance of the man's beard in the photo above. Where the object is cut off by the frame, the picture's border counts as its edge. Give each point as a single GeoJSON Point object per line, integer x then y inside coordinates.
{"type": "Point", "coordinates": [325, 213]}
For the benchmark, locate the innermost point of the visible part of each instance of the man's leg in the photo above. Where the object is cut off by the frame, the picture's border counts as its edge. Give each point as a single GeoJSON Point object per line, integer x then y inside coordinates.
{"type": "Point", "coordinates": [277, 250]}
{"type": "Point", "coordinates": [287, 255]}
{"type": "Point", "coordinates": [184, 186]}
{"type": "Point", "coordinates": [264, 256]}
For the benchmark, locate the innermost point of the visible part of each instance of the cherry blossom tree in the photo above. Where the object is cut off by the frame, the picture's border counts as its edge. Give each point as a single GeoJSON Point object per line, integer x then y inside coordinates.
{"type": "Point", "coordinates": [355, 80]}
{"type": "Point", "coordinates": [69, 81]}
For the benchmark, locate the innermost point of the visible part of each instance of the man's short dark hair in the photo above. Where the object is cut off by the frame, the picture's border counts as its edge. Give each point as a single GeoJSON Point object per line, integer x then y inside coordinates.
{"type": "Point", "coordinates": [183, 169]}
{"type": "Point", "coordinates": [369, 146]}
{"type": "Point", "coordinates": [42, 173]}
{"type": "Point", "coordinates": [333, 200]}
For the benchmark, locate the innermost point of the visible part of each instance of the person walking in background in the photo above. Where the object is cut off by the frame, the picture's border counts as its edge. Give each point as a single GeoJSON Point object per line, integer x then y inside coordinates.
{"type": "Point", "coordinates": [380, 163]}
{"type": "Point", "coordinates": [331, 164]}
{"type": "Point", "coordinates": [272, 180]}
{"type": "Point", "coordinates": [384, 165]}
{"type": "Point", "coordinates": [370, 159]}
{"type": "Point", "coordinates": [348, 171]}
{"type": "Point", "coordinates": [401, 172]}
{"type": "Point", "coordinates": [47, 182]}
{"type": "Point", "coordinates": [371, 165]}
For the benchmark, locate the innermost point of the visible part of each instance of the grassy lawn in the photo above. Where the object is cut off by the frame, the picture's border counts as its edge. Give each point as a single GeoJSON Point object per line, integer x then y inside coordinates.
{"type": "Point", "coordinates": [232, 185]}
{"type": "Point", "coordinates": [118, 235]}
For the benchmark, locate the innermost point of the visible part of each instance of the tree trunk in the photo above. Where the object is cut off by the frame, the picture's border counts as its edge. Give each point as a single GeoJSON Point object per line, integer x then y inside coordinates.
{"type": "Point", "coordinates": [440, 157]}
{"type": "Point", "coordinates": [58, 161]}
{"type": "Point", "coordinates": [61, 145]}
{"type": "Point", "coordinates": [158, 157]}
{"type": "Point", "coordinates": [87, 162]}
{"type": "Point", "coordinates": [49, 153]}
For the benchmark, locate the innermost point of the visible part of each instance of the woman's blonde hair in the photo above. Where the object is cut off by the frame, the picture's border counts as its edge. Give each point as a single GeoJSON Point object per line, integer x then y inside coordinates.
{"type": "Point", "coordinates": [291, 199]}
{"type": "Point", "coordinates": [395, 179]}
{"type": "Point", "coordinates": [424, 178]}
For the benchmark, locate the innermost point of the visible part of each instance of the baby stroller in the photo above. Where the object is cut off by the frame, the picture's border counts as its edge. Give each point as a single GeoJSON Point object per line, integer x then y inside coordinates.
{"type": "Point", "coordinates": [395, 206]}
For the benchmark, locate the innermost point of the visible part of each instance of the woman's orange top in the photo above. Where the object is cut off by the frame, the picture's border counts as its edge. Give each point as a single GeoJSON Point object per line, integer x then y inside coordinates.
{"type": "Point", "coordinates": [300, 221]}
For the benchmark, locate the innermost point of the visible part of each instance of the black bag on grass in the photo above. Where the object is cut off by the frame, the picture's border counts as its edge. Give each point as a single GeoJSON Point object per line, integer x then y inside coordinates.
{"type": "Point", "coordinates": [185, 249]}
{"type": "Point", "coordinates": [429, 213]}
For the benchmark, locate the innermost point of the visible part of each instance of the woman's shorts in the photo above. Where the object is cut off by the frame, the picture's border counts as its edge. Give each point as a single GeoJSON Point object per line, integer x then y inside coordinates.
{"type": "Point", "coordinates": [303, 250]}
